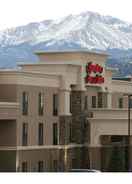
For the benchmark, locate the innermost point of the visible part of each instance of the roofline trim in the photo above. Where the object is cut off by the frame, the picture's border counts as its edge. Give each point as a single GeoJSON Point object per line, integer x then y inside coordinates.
{"type": "Point", "coordinates": [70, 51]}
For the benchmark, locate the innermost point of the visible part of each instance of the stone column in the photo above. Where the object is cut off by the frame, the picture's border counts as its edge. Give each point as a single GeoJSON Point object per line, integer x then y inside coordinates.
{"type": "Point", "coordinates": [109, 100]}
{"type": "Point", "coordinates": [64, 97]}
{"type": "Point", "coordinates": [78, 117]}
{"type": "Point", "coordinates": [64, 111]}
{"type": "Point", "coordinates": [95, 154]}
{"type": "Point", "coordinates": [64, 102]}
{"type": "Point", "coordinates": [65, 120]}
{"type": "Point", "coordinates": [95, 157]}
{"type": "Point", "coordinates": [17, 161]}
{"type": "Point", "coordinates": [80, 79]}
{"type": "Point", "coordinates": [95, 149]}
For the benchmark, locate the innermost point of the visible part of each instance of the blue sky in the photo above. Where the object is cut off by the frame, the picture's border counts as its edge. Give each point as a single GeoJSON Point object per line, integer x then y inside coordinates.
{"type": "Point", "coordinates": [19, 12]}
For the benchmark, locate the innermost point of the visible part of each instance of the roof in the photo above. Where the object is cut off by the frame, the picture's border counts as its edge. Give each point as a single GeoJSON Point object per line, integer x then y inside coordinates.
{"type": "Point", "coordinates": [122, 78]}
{"type": "Point", "coordinates": [83, 51]}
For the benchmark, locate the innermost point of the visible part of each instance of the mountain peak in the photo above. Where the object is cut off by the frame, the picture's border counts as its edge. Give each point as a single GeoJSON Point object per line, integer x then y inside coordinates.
{"type": "Point", "coordinates": [88, 30]}
{"type": "Point", "coordinates": [92, 29]}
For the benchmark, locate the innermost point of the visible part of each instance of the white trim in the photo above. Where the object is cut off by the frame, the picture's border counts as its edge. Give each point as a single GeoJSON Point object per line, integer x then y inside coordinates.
{"type": "Point", "coordinates": [36, 147]}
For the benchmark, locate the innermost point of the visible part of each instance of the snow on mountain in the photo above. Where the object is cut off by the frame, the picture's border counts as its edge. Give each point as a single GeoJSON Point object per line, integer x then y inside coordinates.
{"type": "Point", "coordinates": [88, 29]}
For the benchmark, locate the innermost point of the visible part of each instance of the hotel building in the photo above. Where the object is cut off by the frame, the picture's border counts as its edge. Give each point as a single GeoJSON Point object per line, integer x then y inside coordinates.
{"type": "Point", "coordinates": [63, 112]}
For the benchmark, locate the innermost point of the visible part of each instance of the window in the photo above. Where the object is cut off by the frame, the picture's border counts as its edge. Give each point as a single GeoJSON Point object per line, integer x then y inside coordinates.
{"type": "Point", "coordinates": [24, 167]}
{"type": "Point", "coordinates": [70, 103]}
{"type": "Point", "coordinates": [130, 103]}
{"type": "Point", "coordinates": [55, 134]}
{"type": "Point", "coordinates": [40, 104]}
{"type": "Point", "coordinates": [120, 102]}
{"type": "Point", "coordinates": [116, 138]}
{"type": "Point", "coordinates": [93, 101]}
{"type": "Point", "coordinates": [55, 165]}
{"type": "Point", "coordinates": [25, 103]}
{"type": "Point", "coordinates": [100, 100]}
{"type": "Point", "coordinates": [24, 134]}
{"type": "Point", "coordinates": [55, 104]}
{"type": "Point", "coordinates": [40, 134]}
{"type": "Point", "coordinates": [40, 166]}
{"type": "Point", "coordinates": [74, 163]}
{"type": "Point", "coordinates": [86, 103]}
{"type": "Point", "coordinates": [70, 132]}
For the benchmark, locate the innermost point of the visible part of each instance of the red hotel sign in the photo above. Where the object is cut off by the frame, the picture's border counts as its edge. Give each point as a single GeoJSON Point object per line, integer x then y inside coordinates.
{"type": "Point", "coordinates": [94, 74]}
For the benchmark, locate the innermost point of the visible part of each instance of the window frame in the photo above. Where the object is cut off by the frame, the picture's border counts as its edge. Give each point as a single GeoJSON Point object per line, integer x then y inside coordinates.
{"type": "Point", "coordinates": [120, 103]}
{"type": "Point", "coordinates": [25, 101]}
{"type": "Point", "coordinates": [86, 103]}
{"type": "Point", "coordinates": [94, 103]}
{"type": "Point", "coordinates": [24, 134]}
{"type": "Point", "coordinates": [40, 134]}
{"type": "Point", "coordinates": [55, 133]}
{"type": "Point", "coordinates": [55, 104]}
{"type": "Point", "coordinates": [41, 104]}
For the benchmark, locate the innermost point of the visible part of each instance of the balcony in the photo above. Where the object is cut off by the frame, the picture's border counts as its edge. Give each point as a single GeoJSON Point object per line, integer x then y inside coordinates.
{"type": "Point", "coordinates": [114, 113]}
{"type": "Point", "coordinates": [8, 122]}
{"type": "Point", "coordinates": [8, 110]}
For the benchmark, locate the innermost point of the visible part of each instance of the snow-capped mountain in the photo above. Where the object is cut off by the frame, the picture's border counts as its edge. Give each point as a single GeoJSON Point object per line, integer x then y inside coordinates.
{"type": "Point", "coordinates": [87, 30]}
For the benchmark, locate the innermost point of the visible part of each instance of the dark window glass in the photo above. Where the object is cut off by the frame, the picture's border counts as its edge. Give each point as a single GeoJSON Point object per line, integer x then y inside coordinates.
{"type": "Point", "coordinates": [74, 163]}
{"type": "Point", "coordinates": [55, 104]}
{"type": "Point", "coordinates": [116, 138]}
{"type": "Point", "coordinates": [25, 103]}
{"type": "Point", "coordinates": [93, 101]}
{"type": "Point", "coordinates": [55, 165]}
{"type": "Point", "coordinates": [40, 134]}
{"type": "Point", "coordinates": [40, 104]}
{"type": "Point", "coordinates": [40, 166]}
{"type": "Point", "coordinates": [24, 167]}
{"type": "Point", "coordinates": [86, 103]}
{"type": "Point", "coordinates": [120, 102]}
{"type": "Point", "coordinates": [24, 134]}
{"type": "Point", "coordinates": [130, 103]}
{"type": "Point", "coordinates": [55, 134]}
{"type": "Point", "coordinates": [70, 132]}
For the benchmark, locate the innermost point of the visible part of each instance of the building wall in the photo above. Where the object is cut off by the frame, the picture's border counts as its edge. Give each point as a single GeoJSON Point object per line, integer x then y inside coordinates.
{"type": "Point", "coordinates": [61, 74]}
{"type": "Point", "coordinates": [34, 156]}
{"type": "Point", "coordinates": [66, 159]}
{"type": "Point", "coordinates": [115, 100]}
{"type": "Point", "coordinates": [8, 92]}
{"type": "Point", "coordinates": [33, 119]}
{"type": "Point", "coordinates": [74, 57]}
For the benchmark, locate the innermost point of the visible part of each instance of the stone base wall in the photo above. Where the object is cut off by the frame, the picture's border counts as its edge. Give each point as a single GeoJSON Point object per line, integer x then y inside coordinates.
{"type": "Point", "coordinates": [63, 159]}
{"type": "Point", "coordinates": [95, 158]}
{"type": "Point", "coordinates": [78, 116]}
{"type": "Point", "coordinates": [66, 159]}
{"type": "Point", "coordinates": [7, 161]}
{"type": "Point", "coordinates": [50, 157]}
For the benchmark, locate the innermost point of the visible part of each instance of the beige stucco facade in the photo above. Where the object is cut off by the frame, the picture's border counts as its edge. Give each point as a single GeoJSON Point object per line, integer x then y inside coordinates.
{"type": "Point", "coordinates": [61, 73]}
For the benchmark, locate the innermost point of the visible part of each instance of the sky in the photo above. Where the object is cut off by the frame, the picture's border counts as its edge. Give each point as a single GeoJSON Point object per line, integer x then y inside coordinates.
{"type": "Point", "coordinates": [20, 12]}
